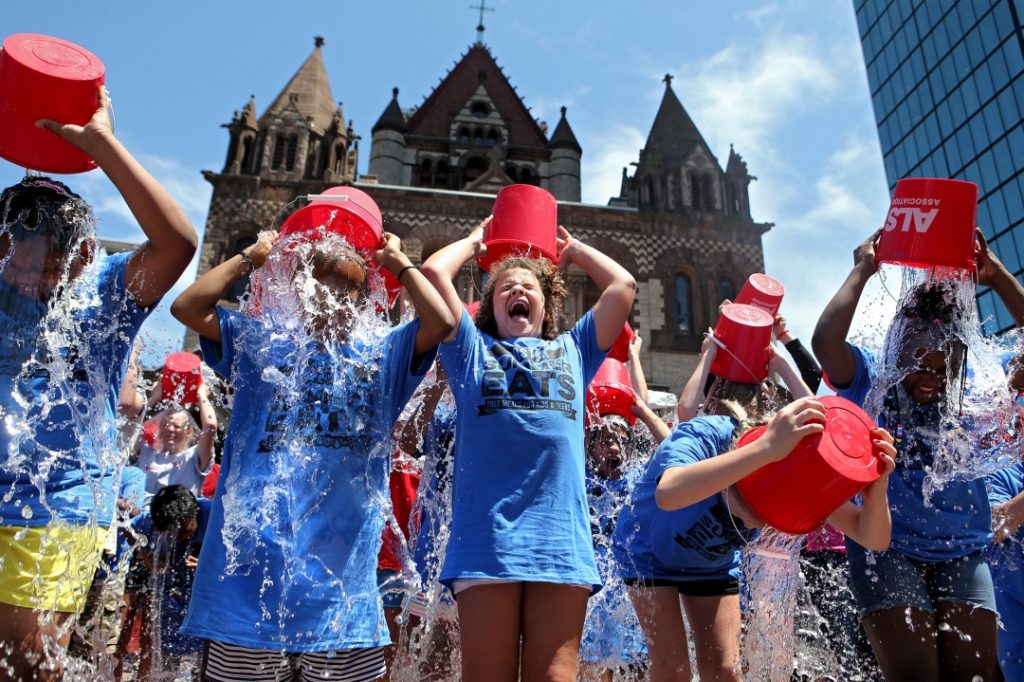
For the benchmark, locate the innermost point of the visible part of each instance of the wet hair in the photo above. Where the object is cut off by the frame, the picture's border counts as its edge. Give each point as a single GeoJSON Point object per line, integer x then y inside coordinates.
{"type": "Point", "coordinates": [174, 410]}
{"type": "Point", "coordinates": [551, 284]}
{"type": "Point", "coordinates": [746, 403]}
{"type": "Point", "coordinates": [930, 321]}
{"type": "Point", "coordinates": [338, 256]}
{"type": "Point", "coordinates": [172, 507]}
{"type": "Point", "coordinates": [40, 206]}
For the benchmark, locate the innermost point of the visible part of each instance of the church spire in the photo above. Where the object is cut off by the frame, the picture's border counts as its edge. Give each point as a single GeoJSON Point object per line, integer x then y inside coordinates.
{"type": "Point", "coordinates": [673, 134]}
{"type": "Point", "coordinates": [309, 90]}
{"type": "Point", "coordinates": [480, 25]}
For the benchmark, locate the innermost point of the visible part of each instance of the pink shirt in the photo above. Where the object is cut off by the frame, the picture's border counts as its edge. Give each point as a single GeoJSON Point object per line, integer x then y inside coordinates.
{"type": "Point", "coordinates": [826, 538]}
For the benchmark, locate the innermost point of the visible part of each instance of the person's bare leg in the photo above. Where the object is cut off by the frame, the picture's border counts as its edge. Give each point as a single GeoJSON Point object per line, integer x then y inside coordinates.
{"type": "Point", "coordinates": [968, 646]}
{"type": "Point", "coordinates": [661, 618]}
{"type": "Point", "coordinates": [552, 629]}
{"type": "Point", "coordinates": [391, 618]}
{"type": "Point", "coordinates": [28, 638]}
{"type": "Point", "coordinates": [489, 626]}
{"type": "Point", "coordinates": [715, 625]}
{"type": "Point", "coordinates": [905, 643]}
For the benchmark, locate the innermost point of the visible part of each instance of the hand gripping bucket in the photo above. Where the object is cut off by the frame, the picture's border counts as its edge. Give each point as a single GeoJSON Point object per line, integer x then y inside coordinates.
{"type": "Point", "coordinates": [46, 77]}
{"type": "Point", "coordinates": [743, 335]}
{"type": "Point", "coordinates": [525, 222]}
{"type": "Point", "coordinates": [931, 223]}
{"type": "Point", "coordinates": [763, 292]}
{"type": "Point", "coordinates": [181, 378]}
{"type": "Point", "coordinates": [611, 391]}
{"type": "Point", "coordinates": [620, 349]}
{"type": "Point", "coordinates": [796, 495]}
{"type": "Point", "coordinates": [350, 213]}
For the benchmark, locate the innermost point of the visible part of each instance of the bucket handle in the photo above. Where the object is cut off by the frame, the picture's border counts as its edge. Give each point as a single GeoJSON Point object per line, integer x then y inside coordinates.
{"type": "Point", "coordinates": [735, 357]}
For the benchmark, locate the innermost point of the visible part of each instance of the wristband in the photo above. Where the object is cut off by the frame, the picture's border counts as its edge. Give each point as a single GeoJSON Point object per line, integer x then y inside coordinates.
{"type": "Point", "coordinates": [401, 272]}
{"type": "Point", "coordinates": [248, 259]}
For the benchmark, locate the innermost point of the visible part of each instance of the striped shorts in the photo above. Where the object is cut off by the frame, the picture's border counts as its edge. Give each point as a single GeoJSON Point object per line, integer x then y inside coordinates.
{"type": "Point", "coordinates": [229, 663]}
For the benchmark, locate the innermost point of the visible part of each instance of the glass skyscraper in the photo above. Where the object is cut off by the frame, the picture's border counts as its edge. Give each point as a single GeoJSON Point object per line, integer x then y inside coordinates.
{"type": "Point", "coordinates": [947, 84]}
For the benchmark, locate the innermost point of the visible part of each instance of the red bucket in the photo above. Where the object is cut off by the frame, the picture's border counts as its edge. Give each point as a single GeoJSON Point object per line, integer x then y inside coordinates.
{"type": "Point", "coordinates": [763, 292]}
{"type": "Point", "coordinates": [525, 222]}
{"type": "Point", "coordinates": [350, 213]}
{"type": "Point", "coordinates": [824, 470]}
{"type": "Point", "coordinates": [931, 223]}
{"type": "Point", "coordinates": [46, 77]}
{"type": "Point", "coordinates": [181, 378]}
{"type": "Point", "coordinates": [620, 349]}
{"type": "Point", "coordinates": [611, 391]}
{"type": "Point", "coordinates": [743, 334]}
{"type": "Point", "coordinates": [150, 431]}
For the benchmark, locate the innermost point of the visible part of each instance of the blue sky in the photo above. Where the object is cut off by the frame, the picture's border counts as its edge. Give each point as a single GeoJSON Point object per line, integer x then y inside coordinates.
{"type": "Point", "coordinates": [782, 80]}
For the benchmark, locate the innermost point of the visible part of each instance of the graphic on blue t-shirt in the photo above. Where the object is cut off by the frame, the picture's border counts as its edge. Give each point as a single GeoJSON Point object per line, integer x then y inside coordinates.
{"type": "Point", "coordinates": [527, 378]}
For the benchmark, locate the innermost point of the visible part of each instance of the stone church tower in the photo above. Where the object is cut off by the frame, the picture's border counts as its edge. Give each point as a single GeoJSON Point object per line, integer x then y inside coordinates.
{"type": "Point", "coordinates": [681, 225]}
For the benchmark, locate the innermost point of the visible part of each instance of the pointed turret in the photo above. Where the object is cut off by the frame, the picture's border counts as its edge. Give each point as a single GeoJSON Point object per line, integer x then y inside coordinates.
{"type": "Point", "coordinates": [677, 171]}
{"type": "Point", "coordinates": [242, 142]}
{"type": "Point", "coordinates": [393, 118]}
{"type": "Point", "coordinates": [387, 151]}
{"type": "Point", "coordinates": [308, 91]}
{"type": "Point", "coordinates": [737, 185]}
{"type": "Point", "coordinates": [249, 120]}
{"type": "Point", "coordinates": [564, 168]}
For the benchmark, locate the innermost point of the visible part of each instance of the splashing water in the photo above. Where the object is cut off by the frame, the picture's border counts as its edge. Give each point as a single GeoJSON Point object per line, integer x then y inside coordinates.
{"type": "Point", "coordinates": [977, 427]}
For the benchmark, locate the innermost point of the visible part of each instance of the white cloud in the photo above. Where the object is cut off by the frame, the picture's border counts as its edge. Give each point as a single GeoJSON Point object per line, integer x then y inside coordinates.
{"type": "Point", "coordinates": [603, 162]}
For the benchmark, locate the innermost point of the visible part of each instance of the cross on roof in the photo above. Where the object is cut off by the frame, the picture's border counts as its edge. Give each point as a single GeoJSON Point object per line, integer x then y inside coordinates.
{"type": "Point", "coordinates": [667, 80]}
{"type": "Point", "coordinates": [480, 26]}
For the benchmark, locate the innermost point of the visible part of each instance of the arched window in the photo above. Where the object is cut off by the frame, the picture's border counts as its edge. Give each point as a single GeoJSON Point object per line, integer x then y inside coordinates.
{"type": "Point", "coordinates": [480, 109]}
{"type": "Point", "coordinates": [510, 171]}
{"type": "Point", "coordinates": [285, 148]}
{"type": "Point", "coordinates": [425, 172]}
{"type": "Point", "coordinates": [527, 177]}
{"type": "Point", "coordinates": [464, 135]}
{"type": "Point", "coordinates": [684, 305]}
{"type": "Point", "coordinates": [441, 175]}
{"type": "Point", "coordinates": [492, 138]}
{"type": "Point", "coordinates": [648, 190]}
{"type": "Point", "coordinates": [478, 136]}
{"type": "Point", "coordinates": [279, 147]}
{"type": "Point", "coordinates": [293, 146]}
{"type": "Point", "coordinates": [240, 285]}
{"type": "Point", "coordinates": [726, 289]}
{"type": "Point", "coordinates": [702, 191]}
{"type": "Point", "coordinates": [475, 167]}
{"type": "Point", "coordinates": [247, 154]}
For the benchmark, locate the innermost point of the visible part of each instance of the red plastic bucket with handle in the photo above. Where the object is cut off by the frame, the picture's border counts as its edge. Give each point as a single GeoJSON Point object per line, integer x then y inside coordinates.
{"type": "Point", "coordinates": [46, 77]}
{"type": "Point", "coordinates": [763, 292]}
{"type": "Point", "coordinates": [525, 222]}
{"type": "Point", "coordinates": [181, 378]}
{"type": "Point", "coordinates": [350, 213]}
{"type": "Point", "coordinates": [824, 470]}
{"type": "Point", "coordinates": [931, 223]}
{"type": "Point", "coordinates": [743, 335]}
{"type": "Point", "coordinates": [620, 349]}
{"type": "Point", "coordinates": [611, 391]}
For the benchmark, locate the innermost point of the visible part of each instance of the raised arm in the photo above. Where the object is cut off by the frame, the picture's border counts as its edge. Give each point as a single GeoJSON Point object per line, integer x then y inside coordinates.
{"type": "Point", "coordinates": [682, 486]}
{"type": "Point", "coordinates": [658, 428]}
{"type": "Point", "coordinates": [693, 392]}
{"type": "Point", "coordinates": [443, 266]}
{"type": "Point", "coordinates": [208, 423]}
{"type": "Point", "coordinates": [1007, 518]}
{"type": "Point", "coordinates": [618, 288]}
{"type": "Point", "coordinates": [436, 320]}
{"type": "Point", "coordinates": [171, 242]}
{"type": "Point", "coordinates": [130, 400]}
{"type": "Point", "coordinates": [808, 367]}
{"type": "Point", "coordinates": [410, 432]}
{"type": "Point", "coordinates": [196, 307]}
{"type": "Point", "coordinates": [829, 339]}
{"type": "Point", "coordinates": [778, 365]}
{"type": "Point", "coordinates": [636, 370]}
{"type": "Point", "coordinates": [992, 273]}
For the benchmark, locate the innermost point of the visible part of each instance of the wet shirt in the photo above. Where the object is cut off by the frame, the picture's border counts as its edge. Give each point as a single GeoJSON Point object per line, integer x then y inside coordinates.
{"type": "Point", "coordinates": [1006, 560]}
{"type": "Point", "coordinates": [171, 468]}
{"type": "Point", "coordinates": [519, 494]}
{"type": "Point", "coordinates": [289, 560]}
{"type": "Point", "coordinates": [62, 431]}
{"type": "Point", "coordinates": [956, 521]}
{"type": "Point", "coordinates": [699, 542]}
{"type": "Point", "coordinates": [434, 492]}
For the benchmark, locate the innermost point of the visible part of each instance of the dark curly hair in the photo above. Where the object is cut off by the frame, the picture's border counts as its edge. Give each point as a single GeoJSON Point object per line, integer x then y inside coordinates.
{"type": "Point", "coordinates": [551, 284]}
{"type": "Point", "coordinates": [934, 303]}
{"type": "Point", "coordinates": [39, 206]}
{"type": "Point", "coordinates": [172, 507]}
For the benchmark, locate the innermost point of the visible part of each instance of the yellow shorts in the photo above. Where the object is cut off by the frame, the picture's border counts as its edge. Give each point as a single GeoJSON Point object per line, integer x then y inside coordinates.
{"type": "Point", "coordinates": [49, 567]}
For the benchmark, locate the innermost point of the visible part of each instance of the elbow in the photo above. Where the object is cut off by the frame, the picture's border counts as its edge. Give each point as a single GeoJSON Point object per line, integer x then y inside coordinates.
{"type": "Point", "coordinates": [180, 309]}
{"type": "Point", "coordinates": [663, 499]}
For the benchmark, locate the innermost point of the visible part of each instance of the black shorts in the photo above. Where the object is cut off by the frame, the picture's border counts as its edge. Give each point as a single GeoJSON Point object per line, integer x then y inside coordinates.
{"type": "Point", "coordinates": [690, 588]}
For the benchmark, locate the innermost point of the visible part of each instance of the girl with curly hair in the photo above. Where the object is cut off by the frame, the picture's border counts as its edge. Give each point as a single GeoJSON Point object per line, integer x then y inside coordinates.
{"type": "Point", "coordinates": [520, 560]}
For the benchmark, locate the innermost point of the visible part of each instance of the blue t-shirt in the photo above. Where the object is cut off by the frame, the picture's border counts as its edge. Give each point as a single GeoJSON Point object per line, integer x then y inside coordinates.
{"type": "Point", "coordinates": [519, 496]}
{"type": "Point", "coordinates": [611, 633]}
{"type": "Point", "coordinates": [1007, 563]}
{"type": "Point", "coordinates": [132, 490]}
{"type": "Point", "coordinates": [289, 560]}
{"type": "Point", "coordinates": [65, 444]}
{"type": "Point", "coordinates": [699, 542]}
{"type": "Point", "coordinates": [957, 520]}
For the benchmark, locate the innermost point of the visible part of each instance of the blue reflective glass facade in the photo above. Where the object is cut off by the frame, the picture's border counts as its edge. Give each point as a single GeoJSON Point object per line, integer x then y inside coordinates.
{"type": "Point", "coordinates": [947, 85]}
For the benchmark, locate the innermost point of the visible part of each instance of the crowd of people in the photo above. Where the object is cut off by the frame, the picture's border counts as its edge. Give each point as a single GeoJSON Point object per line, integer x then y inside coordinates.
{"type": "Point", "coordinates": [372, 475]}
